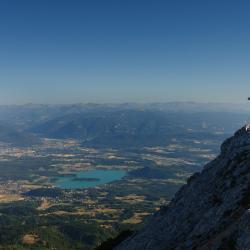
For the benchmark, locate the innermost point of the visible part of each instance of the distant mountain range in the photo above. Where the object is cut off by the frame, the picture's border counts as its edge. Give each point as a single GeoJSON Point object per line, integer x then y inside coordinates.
{"type": "Point", "coordinates": [107, 128]}
{"type": "Point", "coordinates": [31, 113]}
{"type": "Point", "coordinates": [112, 128]}
{"type": "Point", "coordinates": [120, 125]}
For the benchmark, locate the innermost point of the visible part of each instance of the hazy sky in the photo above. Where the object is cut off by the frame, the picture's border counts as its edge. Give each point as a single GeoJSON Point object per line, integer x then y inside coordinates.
{"type": "Point", "coordinates": [58, 51]}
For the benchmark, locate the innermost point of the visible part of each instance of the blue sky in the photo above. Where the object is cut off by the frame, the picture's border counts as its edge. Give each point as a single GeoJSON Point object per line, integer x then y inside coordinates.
{"type": "Point", "coordinates": [58, 51]}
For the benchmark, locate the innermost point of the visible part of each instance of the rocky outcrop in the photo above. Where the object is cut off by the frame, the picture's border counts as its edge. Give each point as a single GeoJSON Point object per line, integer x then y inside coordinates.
{"type": "Point", "coordinates": [211, 211]}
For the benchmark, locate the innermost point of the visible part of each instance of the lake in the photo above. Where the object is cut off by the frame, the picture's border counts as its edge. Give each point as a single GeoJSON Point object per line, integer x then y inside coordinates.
{"type": "Point", "coordinates": [91, 178]}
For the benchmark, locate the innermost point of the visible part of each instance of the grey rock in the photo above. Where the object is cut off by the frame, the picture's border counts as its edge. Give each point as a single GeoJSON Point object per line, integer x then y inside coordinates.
{"type": "Point", "coordinates": [210, 211]}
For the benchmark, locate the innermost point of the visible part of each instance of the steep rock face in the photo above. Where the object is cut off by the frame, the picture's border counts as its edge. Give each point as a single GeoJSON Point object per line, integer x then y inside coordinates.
{"type": "Point", "coordinates": [210, 211]}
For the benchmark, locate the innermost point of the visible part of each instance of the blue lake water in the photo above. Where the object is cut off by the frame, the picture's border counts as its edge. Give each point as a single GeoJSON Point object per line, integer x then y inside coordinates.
{"type": "Point", "coordinates": [103, 176]}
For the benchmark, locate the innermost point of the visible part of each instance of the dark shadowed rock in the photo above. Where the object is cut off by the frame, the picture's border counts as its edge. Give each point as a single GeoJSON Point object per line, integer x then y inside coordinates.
{"type": "Point", "coordinates": [211, 211]}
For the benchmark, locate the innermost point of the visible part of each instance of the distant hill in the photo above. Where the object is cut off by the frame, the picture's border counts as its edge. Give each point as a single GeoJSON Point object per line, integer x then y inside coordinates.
{"type": "Point", "coordinates": [123, 125]}
{"type": "Point", "coordinates": [211, 211]}
{"type": "Point", "coordinates": [109, 128]}
{"type": "Point", "coordinates": [121, 128]}
{"type": "Point", "coordinates": [17, 138]}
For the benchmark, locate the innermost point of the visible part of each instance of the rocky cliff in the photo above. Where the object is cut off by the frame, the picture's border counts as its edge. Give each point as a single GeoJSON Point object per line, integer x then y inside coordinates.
{"type": "Point", "coordinates": [211, 211]}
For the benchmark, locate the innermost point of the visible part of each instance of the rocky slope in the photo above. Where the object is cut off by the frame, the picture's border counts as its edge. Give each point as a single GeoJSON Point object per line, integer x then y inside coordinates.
{"type": "Point", "coordinates": [211, 211]}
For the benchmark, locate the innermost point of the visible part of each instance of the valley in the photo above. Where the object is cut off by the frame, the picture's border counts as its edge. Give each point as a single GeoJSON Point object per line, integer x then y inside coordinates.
{"type": "Point", "coordinates": [97, 174]}
{"type": "Point", "coordinates": [147, 178]}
